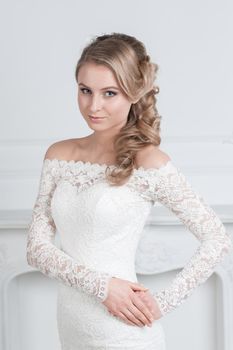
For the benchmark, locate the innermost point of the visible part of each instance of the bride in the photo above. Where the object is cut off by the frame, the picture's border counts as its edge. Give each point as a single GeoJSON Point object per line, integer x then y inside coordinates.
{"type": "Point", "coordinates": [97, 192]}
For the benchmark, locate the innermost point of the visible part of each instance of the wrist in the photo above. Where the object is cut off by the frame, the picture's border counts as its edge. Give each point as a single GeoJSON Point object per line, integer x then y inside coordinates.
{"type": "Point", "coordinates": [103, 289]}
{"type": "Point", "coordinates": [162, 307]}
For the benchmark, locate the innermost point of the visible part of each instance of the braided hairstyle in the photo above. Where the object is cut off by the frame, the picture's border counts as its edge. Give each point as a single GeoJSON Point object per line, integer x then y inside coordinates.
{"type": "Point", "coordinates": [135, 73]}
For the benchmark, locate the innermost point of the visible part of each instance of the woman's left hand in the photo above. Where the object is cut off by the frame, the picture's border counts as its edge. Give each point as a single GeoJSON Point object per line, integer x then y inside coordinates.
{"type": "Point", "coordinates": [150, 302]}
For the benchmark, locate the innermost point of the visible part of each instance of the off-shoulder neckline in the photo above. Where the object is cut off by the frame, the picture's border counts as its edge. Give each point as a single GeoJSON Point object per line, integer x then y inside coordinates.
{"type": "Point", "coordinates": [104, 165]}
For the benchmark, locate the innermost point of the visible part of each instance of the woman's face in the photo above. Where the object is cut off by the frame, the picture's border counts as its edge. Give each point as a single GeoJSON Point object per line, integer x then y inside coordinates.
{"type": "Point", "coordinates": [99, 95]}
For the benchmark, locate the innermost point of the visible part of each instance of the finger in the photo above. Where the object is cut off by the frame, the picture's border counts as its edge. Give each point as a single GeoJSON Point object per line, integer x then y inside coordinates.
{"type": "Point", "coordinates": [140, 293]}
{"type": "Point", "coordinates": [140, 316]}
{"type": "Point", "coordinates": [126, 315]}
{"type": "Point", "coordinates": [136, 286]}
{"type": "Point", "coordinates": [144, 298]}
{"type": "Point", "coordinates": [142, 308]}
{"type": "Point", "coordinates": [127, 320]}
{"type": "Point", "coordinates": [131, 317]}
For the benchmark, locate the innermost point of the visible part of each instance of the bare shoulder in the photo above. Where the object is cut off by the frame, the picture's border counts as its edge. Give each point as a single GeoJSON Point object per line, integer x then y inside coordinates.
{"type": "Point", "coordinates": [65, 149]}
{"type": "Point", "coordinates": [151, 157]}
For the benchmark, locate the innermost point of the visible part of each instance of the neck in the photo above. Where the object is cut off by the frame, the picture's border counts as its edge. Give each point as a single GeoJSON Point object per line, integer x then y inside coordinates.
{"type": "Point", "coordinates": [100, 142]}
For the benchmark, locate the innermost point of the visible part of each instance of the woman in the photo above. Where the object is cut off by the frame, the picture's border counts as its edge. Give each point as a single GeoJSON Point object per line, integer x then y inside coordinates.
{"type": "Point", "coordinates": [97, 191]}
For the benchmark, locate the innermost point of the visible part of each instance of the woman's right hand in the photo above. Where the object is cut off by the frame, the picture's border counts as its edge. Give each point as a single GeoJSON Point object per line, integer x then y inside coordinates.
{"type": "Point", "coordinates": [123, 302]}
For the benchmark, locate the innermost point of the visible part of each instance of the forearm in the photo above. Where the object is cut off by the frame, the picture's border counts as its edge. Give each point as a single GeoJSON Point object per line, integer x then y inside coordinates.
{"type": "Point", "coordinates": [56, 264]}
{"type": "Point", "coordinates": [198, 269]}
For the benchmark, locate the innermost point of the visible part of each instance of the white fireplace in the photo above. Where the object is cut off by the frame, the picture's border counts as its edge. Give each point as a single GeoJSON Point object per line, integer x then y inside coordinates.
{"type": "Point", "coordinates": [28, 298]}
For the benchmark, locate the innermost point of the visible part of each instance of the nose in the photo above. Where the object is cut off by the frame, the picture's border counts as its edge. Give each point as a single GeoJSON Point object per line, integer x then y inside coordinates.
{"type": "Point", "coordinates": [95, 104]}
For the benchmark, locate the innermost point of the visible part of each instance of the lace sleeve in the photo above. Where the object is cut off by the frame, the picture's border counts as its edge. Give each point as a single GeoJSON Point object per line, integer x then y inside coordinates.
{"type": "Point", "coordinates": [168, 186]}
{"type": "Point", "coordinates": [44, 255]}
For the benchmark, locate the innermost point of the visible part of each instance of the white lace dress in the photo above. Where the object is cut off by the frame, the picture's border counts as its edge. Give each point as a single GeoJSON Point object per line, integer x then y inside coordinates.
{"type": "Point", "coordinates": [100, 226]}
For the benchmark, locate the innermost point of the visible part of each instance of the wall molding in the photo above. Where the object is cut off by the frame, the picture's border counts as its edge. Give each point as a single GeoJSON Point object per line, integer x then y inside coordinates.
{"type": "Point", "coordinates": [177, 138]}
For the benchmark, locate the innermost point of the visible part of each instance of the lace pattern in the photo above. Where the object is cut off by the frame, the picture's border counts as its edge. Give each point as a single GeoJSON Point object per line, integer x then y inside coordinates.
{"type": "Point", "coordinates": [41, 251]}
{"type": "Point", "coordinates": [168, 186]}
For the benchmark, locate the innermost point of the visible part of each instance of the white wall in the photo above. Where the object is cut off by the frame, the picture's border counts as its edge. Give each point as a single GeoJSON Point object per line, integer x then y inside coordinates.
{"type": "Point", "coordinates": [40, 44]}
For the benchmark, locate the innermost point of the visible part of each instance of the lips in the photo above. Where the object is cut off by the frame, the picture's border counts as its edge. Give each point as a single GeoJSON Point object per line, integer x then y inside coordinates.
{"type": "Point", "coordinates": [94, 117]}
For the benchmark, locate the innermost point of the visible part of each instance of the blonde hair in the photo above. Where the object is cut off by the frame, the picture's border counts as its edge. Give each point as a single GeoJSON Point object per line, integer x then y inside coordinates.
{"type": "Point", "coordinates": [135, 73]}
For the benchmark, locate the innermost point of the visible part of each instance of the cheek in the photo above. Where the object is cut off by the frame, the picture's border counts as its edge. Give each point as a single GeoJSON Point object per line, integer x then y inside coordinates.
{"type": "Point", "coordinates": [122, 108]}
{"type": "Point", "coordinates": [120, 105]}
{"type": "Point", "coordinates": [81, 102]}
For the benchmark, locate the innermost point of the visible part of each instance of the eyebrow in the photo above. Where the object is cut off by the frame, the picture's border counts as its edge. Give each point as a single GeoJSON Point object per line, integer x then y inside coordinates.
{"type": "Point", "coordinates": [108, 87]}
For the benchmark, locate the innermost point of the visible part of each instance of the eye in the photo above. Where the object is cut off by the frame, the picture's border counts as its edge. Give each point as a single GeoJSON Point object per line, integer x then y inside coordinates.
{"type": "Point", "coordinates": [112, 92]}
{"type": "Point", "coordinates": [109, 91]}
{"type": "Point", "coordinates": [82, 89]}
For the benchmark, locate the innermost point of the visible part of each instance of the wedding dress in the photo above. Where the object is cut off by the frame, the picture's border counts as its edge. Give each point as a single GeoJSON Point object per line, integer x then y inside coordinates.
{"type": "Point", "coordinates": [100, 226]}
